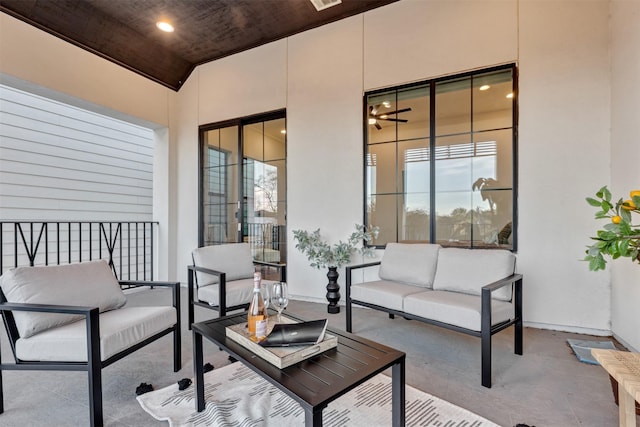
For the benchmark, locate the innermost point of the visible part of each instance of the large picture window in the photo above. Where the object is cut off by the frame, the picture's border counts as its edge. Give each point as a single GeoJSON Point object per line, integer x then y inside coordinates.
{"type": "Point", "coordinates": [440, 160]}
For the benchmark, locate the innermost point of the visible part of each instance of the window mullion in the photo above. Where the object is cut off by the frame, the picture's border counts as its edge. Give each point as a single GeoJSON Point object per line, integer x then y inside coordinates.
{"type": "Point", "coordinates": [432, 162]}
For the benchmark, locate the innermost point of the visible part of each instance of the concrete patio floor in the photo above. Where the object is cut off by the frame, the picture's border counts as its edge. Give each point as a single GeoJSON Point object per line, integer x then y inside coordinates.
{"type": "Point", "coordinates": [545, 387]}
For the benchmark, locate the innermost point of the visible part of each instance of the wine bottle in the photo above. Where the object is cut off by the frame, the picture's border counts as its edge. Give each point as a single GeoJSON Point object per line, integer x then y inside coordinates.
{"type": "Point", "coordinates": [256, 317]}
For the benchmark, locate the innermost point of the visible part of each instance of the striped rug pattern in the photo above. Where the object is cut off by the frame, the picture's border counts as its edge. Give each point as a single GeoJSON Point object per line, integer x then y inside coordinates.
{"type": "Point", "coordinates": [236, 396]}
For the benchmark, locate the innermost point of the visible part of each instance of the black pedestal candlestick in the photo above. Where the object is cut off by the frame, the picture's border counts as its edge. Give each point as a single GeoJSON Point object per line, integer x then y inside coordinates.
{"type": "Point", "coordinates": [333, 291]}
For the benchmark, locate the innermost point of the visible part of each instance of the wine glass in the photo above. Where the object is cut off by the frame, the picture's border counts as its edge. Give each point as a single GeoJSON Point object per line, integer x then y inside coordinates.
{"type": "Point", "coordinates": [266, 295]}
{"type": "Point", "coordinates": [279, 298]}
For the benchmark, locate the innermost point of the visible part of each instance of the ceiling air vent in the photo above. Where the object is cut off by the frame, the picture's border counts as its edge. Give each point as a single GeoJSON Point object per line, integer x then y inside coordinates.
{"type": "Point", "coordinates": [323, 4]}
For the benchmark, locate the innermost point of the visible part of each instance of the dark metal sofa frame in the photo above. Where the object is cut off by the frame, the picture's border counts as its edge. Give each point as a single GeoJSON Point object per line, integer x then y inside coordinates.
{"type": "Point", "coordinates": [222, 309]}
{"type": "Point", "coordinates": [486, 329]}
{"type": "Point", "coordinates": [94, 365]}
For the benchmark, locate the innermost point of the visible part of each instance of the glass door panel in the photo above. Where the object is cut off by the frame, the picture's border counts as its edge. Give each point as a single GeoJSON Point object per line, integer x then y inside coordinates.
{"type": "Point", "coordinates": [264, 178]}
{"type": "Point", "coordinates": [219, 186]}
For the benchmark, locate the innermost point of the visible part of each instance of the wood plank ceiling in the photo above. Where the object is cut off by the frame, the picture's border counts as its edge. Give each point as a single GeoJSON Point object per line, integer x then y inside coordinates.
{"type": "Point", "coordinates": [124, 31]}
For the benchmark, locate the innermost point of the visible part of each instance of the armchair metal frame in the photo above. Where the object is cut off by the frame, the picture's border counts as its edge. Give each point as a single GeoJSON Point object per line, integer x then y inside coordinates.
{"type": "Point", "coordinates": [222, 309]}
{"type": "Point", "coordinates": [94, 364]}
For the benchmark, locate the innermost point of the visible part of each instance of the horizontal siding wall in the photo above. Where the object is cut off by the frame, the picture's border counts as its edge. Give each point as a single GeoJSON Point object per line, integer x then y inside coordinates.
{"type": "Point", "coordinates": [88, 176]}
{"type": "Point", "coordinates": [59, 162]}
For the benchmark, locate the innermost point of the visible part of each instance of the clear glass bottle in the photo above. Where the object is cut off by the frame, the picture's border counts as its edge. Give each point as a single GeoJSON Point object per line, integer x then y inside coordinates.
{"type": "Point", "coordinates": [256, 316]}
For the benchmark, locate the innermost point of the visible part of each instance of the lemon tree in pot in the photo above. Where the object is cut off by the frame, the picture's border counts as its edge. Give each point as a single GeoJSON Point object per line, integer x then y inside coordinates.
{"type": "Point", "coordinates": [323, 255]}
{"type": "Point", "coordinates": [620, 237]}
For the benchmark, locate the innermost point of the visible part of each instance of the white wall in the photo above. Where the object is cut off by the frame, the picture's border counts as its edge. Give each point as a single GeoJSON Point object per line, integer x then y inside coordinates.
{"type": "Point", "coordinates": [324, 140]}
{"type": "Point", "coordinates": [625, 152]}
{"type": "Point", "coordinates": [564, 157]}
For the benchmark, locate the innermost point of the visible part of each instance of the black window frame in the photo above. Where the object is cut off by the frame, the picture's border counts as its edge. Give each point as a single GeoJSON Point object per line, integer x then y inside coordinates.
{"type": "Point", "coordinates": [432, 147]}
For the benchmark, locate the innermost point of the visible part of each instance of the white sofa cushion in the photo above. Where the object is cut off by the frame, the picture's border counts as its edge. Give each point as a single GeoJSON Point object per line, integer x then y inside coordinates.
{"type": "Point", "coordinates": [119, 330]}
{"type": "Point", "coordinates": [383, 293]}
{"type": "Point", "coordinates": [457, 309]}
{"type": "Point", "coordinates": [238, 292]}
{"type": "Point", "coordinates": [468, 270]}
{"type": "Point", "coordinates": [234, 259]}
{"type": "Point", "coordinates": [89, 284]}
{"type": "Point", "coordinates": [413, 263]}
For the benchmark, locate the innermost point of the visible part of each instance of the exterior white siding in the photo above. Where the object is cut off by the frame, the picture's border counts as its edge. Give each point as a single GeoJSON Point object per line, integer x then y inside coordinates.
{"type": "Point", "coordinates": [73, 169]}
{"type": "Point", "coordinates": [59, 162]}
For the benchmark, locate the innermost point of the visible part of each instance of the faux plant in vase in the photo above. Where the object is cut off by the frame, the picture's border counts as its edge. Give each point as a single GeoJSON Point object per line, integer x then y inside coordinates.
{"type": "Point", "coordinates": [323, 255]}
{"type": "Point", "coordinates": [620, 237]}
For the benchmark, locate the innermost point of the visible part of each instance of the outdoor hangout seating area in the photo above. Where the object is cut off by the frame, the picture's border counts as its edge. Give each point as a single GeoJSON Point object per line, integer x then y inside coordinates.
{"type": "Point", "coordinates": [335, 213]}
{"type": "Point", "coordinates": [440, 362]}
{"type": "Point", "coordinates": [538, 388]}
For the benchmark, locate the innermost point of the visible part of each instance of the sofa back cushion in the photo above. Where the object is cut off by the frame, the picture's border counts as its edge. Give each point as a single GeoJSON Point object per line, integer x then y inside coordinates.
{"type": "Point", "coordinates": [468, 270]}
{"type": "Point", "coordinates": [234, 259]}
{"type": "Point", "coordinates": [88, 284]}
{"type": "Point", "coordinates": [413, 263]}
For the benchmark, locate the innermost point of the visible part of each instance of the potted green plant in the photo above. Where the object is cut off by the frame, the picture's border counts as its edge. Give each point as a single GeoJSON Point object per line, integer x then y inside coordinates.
{"type": "Point", "coordinates": [323, 255]}
{"type": "Point", "coordinates": [618, 238]}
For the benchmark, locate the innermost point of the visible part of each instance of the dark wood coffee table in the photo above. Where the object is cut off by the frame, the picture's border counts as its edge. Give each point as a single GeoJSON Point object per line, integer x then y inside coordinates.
{"type": "Point", "coordinates": [316, 381]}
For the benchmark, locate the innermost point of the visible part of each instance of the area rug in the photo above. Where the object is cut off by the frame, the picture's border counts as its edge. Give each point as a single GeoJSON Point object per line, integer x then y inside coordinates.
{"type": "Point", "coordinates": [236, 396]}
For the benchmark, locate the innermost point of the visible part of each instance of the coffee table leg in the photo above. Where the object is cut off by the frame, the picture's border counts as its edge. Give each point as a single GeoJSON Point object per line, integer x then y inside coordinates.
{"type": "Point", "coordinates": [313, 417]}
{"type": "Point", "coordinates": [198, 377]}
{"type": "Point", "coordinates": [397, 390]}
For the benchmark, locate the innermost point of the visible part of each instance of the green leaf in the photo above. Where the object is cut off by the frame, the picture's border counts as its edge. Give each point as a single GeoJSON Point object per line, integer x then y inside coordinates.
{"type": "Point", "coordinates": [624, 247]}
{"type": "Point", "coordinates": [607, 193]}
{"type": "Point", "coordinates": [597, 263]}
{"type": "Point", "coordinates": [593, 202]}
{"type": "Point", "coordinates": [606, 235]}
{"type": "Point", "coordinates": [625, 215]}
{"type": "Point", "coordinates": [606, 206]}
{"type": "Point", "coordinates": [624, 227]}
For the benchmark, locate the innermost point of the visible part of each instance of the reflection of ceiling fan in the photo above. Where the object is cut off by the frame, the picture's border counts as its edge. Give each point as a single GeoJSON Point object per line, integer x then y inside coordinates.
{"type": "Point", "coordinates": [375, 115]}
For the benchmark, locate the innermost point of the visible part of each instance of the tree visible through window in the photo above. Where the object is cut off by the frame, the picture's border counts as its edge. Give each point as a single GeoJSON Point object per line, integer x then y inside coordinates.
{"type": "Point", "coordinates": [439, 160]}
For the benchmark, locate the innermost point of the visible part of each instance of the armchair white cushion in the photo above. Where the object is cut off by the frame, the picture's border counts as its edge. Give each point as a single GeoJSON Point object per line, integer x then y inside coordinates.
{"type": "Point", "coordinates": [238, 292]}
{"type": "Point", "coordinates": [234, 259]}
{"type": "Point", "coordinates": [119, 330]}
{"type": "Point", "coordinates": [90, 284]}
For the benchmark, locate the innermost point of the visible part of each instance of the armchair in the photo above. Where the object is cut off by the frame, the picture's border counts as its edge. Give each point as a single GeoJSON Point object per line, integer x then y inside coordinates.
{"type": "Point", "coordinates": [223, 273]}
{"type": "Point", "coordinates": [46, 332]}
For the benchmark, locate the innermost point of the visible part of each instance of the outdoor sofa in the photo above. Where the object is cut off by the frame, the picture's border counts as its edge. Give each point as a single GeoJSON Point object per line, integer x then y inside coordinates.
{"type": "Point", "coordinates": [473, 291]}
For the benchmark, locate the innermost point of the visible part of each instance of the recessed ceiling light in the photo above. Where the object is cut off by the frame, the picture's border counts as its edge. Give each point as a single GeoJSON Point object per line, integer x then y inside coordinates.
{"type": "Point", "coordinates": [372, 121]}
{"type": "Point", "coordinates": [283, 131]}
{"type": "Point", "coordinates": [510, 95]}
{"type": "Point", "coordinates": [386, 104]}
{"type": "Point", "coordinates": [484, 87]}
{"type": "Point", "coordinates": [164, 26]}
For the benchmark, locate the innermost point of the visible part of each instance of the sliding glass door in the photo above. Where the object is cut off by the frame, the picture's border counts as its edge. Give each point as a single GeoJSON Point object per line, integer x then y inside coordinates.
{"type": "Point", "coordinates": [243, 184]}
